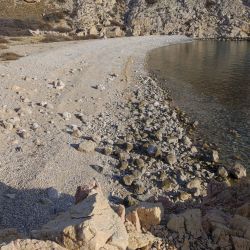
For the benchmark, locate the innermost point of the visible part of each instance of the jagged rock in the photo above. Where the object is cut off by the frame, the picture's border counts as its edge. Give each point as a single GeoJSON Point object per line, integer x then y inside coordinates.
{"type": "Point", "coordinates": [91, 224]}
{"type": "Point", "coordinates": [138, 240]}
{"type": "Point", "coordinates": [150, 214]}
{"type": "Point", "coordinates": [29, 244]}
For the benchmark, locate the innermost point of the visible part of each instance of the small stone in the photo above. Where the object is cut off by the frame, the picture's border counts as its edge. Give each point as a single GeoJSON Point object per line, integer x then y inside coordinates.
{"type": "Point", "coordinates": [23, 133]}
{"type": "Point", "coordinates": [238, 171]}
{"type": "Point", "coordinates": [123, 156]}
{"type": "Point", "coordinates": [58, 84]}
{"type": "Point", "coordinates": [139, 163]}
{"type": "Point", "coordinates": [167, 185]}
{"type": "Point", "coordinates": [215, 156]}
{"type": "Point", "coordinates": [87, 146]}
{"type": "Point", "coordinates": [129, 147]}
{"type": "Point", "coordinates": [194, 150]}
{"type": "Point", "coordinates": [129, 201]}
{"type": "Point", "coordinates": [171, 158]}
{"type": "Point", "coordinates": [123, 165]}
{"type": "Point", "coordinates": [222, 172]}
{"type": "Point", "coordinates": [139, 187]}
{"type": "Point", "coordinates": [128, 180]}
{"type": "Point", "coordinates": [195, 184]}
{"type": "Point", "coordinates": [108, 151]}
{"type": "Point", "coordinates": [96, 138]}
{"type": "Point", "coordinates": [77, 133]}
{"type": "Point", "coordinates": [173, 140]}
{"type": "Point", "coordinates": [184, 196]}
{"type": "Point", "coordinates": [66, 116]}
{"type": "Point", "coordinates": [98, 168]}
{"type": "Point", "coordinates": [151, 150]}
{"type": "Point", "coordinates": [187, 142]}
{"type": "Point", "coordinates": [34, 126]}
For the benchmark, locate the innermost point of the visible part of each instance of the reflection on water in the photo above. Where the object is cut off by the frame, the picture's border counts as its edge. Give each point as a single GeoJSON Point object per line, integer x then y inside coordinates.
{"type": "Point", "coordinates": [211, 81]}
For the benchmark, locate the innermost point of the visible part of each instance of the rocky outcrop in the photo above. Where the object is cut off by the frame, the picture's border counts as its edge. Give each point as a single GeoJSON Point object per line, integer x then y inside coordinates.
{"type": "Point", "coordinates": [114, 18]}
{"type": "Point", "coordinates": [90, 224]}
{"type": "Point", "coordinates": [202, 19]}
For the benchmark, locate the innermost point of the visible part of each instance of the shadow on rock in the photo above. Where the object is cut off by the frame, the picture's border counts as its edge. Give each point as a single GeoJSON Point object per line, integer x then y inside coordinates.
{"type": "Point", "coordinates": [29, 209]}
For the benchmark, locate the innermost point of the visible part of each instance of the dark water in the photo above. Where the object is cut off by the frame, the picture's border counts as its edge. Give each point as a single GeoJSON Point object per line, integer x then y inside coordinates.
{"type": "Point", "coordinates": [210, 80]}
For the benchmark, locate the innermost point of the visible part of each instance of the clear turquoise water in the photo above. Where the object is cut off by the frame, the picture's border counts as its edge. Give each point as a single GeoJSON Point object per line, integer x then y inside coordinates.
{"type": "Point", "coordinates": [210, 80]}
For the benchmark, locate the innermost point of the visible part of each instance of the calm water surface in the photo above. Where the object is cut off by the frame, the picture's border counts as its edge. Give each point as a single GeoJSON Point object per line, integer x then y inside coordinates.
{"type": "Point", "coordinates": [210, 80]}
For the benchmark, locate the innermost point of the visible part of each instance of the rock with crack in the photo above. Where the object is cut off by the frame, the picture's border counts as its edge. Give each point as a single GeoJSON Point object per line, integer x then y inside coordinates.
{"type": "Point", "coordinates": [90, 224]}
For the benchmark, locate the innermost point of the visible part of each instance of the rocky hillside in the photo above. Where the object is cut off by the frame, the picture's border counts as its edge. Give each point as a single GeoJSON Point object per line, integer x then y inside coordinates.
{"type": "Point", "coordinates": [112, 18]}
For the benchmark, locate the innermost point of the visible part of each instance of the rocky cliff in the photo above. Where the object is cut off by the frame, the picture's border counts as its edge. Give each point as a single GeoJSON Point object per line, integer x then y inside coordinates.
{"type": "Point", "coordinates": [112, 18]}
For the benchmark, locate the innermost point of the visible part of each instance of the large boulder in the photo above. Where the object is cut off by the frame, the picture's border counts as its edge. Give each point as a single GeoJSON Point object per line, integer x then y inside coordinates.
{"type": "Point", "coordinates": [91, 224]}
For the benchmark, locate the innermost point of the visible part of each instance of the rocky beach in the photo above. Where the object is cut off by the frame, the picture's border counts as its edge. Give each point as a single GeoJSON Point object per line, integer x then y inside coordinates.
{"type": "Point", "coordinates": [86, 116]}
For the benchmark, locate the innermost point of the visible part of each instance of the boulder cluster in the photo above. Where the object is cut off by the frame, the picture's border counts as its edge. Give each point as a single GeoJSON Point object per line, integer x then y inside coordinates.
{"type": "Point", "coordinates": [93, 223]}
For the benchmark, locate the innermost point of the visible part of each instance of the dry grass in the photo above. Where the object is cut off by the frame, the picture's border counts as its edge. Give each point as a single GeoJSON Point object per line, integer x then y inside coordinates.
{"type": "Point", "coordinates": [9, 56]}
{"type": "Point", "coordinates": [55, 38]}
{"type": "Point", "coordinates": [3, 40]}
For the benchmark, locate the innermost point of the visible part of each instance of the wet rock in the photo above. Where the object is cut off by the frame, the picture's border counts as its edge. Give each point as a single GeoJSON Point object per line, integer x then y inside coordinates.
{"type": "Point", "coordinates": [87, 146]}
{"type": "Point", "coordinates": [238, 171]}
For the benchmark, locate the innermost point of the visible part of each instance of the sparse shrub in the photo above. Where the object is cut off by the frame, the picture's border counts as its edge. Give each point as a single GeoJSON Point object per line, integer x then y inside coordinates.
{"type": "Point", "coordinates": [9, 56]}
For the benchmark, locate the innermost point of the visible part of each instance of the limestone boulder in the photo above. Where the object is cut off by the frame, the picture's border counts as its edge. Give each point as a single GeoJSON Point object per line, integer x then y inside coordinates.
{"type": "Point", "coordinates": [91, 224]}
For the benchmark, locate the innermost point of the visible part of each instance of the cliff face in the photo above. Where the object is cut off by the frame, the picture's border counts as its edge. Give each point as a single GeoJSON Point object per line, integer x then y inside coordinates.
{"type": "Point", "coordinates": [111, 18]}
{"type": "Point", "coordinates": [198, 18]}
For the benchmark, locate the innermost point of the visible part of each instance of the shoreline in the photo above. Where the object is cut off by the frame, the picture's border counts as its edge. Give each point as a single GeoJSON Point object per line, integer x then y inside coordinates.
{"type": "Point", "coordinates": [126, 134]}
